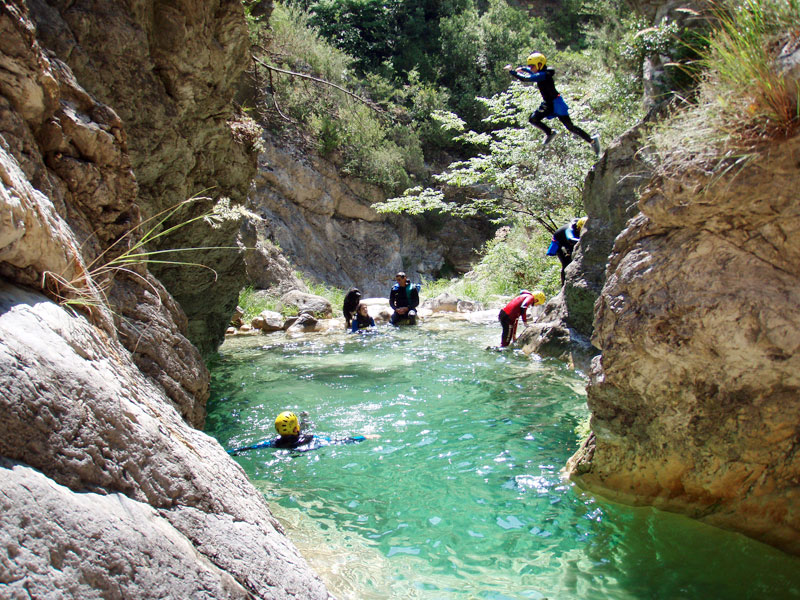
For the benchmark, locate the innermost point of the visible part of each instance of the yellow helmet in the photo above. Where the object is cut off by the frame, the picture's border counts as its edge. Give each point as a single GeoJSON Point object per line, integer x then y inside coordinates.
{"type": "Point", "coordinates": [537, 61]}
{"type": "Point", "coordinates": [286, 423]}
{"type": "Point", "coordinates": [538, 297]}
{"type": "Point", "coordinates": [581, 223]}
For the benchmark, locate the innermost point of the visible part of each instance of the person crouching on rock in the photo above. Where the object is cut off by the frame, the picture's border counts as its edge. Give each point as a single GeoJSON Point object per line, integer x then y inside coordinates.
{"type": "Point", "coordinates": [404, 299]}
{"type": "Point", "coordinates": [515, 309]}
{"type": "Point", "coordinates": [350, 304]}
{"type": "Point", "coordinates": [564, 241]}
{"type": "Point", "coordinates": [362, 320]}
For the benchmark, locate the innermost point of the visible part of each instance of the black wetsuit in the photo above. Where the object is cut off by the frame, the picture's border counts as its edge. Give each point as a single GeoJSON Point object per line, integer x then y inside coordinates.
{"type": "Point", "coordinates": [361, 322]}
{"type": "Point", "coordinates": [350, 304]}
{"type": "Point", "coordinates": [552, 106]}
{"type": "Point", "coordinates": [300, 443]}
{"type": "Point", "coordinates": [401, 297]}
{"type": "Point", "coordinates": [567, 238]}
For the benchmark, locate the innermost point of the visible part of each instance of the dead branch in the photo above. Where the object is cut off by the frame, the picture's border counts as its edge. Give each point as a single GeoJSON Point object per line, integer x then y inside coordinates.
{"type": "Point", "coordinates": [365, 101]}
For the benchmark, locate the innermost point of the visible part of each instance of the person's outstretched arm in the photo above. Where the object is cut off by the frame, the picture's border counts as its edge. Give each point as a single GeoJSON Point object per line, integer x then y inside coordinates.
{"type": "Point", "coordinates": [264, 444]}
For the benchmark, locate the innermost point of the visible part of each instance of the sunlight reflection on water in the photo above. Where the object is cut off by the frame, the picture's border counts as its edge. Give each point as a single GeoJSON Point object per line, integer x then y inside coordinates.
{"type": "Point", "coordinates": [461, 497]}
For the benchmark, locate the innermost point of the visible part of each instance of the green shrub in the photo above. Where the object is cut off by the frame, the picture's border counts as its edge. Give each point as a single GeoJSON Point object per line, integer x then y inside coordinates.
{"type": "Point", "coordinates": [743, 99]}
{"type": "Point", "coordinates": [253, 304]}
{"type": "Point", "coordinates": [333, 294]}
{"type": "Point", "coordinates": [752, 94]}
{"type": "Point", "coordinates": [514, 260]}
{"type": "Point", "coordinates": [361, 140]}
{"type": "Point", "coordinates": [517, 261]}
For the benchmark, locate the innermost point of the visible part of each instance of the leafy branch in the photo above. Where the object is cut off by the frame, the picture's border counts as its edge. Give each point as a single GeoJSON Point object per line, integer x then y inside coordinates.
{"type": "Point", "coordinates": [514, 176]}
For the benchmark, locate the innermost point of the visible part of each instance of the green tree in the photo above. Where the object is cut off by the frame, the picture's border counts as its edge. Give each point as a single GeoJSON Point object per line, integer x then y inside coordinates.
{"type": "Point", "coordinates": [512, 176]}
{"type": "Point", "coordinates": [364, 29]}
{"type": "Point", "coordinates": [474, 47]}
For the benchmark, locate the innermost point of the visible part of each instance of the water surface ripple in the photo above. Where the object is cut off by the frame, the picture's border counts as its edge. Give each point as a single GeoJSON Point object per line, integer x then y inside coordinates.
{"type": "Point", "coordinates": [461, 497]}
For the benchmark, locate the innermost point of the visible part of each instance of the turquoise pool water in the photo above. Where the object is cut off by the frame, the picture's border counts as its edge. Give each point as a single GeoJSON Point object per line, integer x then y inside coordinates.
{"type": "Point", "coordinates": [461, 496]}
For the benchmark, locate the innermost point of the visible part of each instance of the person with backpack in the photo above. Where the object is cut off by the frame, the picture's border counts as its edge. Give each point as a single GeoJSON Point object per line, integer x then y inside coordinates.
{"type": "Point", "coordinates": [404, 299]}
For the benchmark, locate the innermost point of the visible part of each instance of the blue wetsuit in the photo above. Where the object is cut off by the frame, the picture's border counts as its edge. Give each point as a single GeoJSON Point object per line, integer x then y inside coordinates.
{"type": "Point", "coordinates": [553, 105]}
{"type": "Point", "coordinates": [360, 322]}
{"type": "Point", "coordinates": [299, 443]}
{"type": "Point", "coordinates": [564, 241]}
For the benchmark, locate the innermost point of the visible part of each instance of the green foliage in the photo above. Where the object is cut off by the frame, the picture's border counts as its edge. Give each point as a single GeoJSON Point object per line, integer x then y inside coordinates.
{"type": "Point", "coordinates": [743, 98]}
{"type": "Point", "coordinates": [526, 180]}
{"type": "Point", "coordinates": [517, 260]}
{"type": "Point", "coordinates": [454, 47]}
{"type": "Point", "coordinates": [641, 41]}
{"type": "Point", "coordinates": [474, 47]}
{"type": "Point", "coordinates": [399, 34]}
{"type": "Point", "coordinates": [514, 260]}
{"type": "Point", "coordinates": [510, 174]}
{"type": "Point", "coordinates": [360, 140]}
{"type": "Point", "coordinates": [254, 303]}
{"type": "Point", "coordinates": [740, 63]}
{"type": "Point", "coordinates": [87, 286]}
{"type": "Point", "coordinates": [364, 29]}
{"type": "Point", "coordinates": [333, 294]}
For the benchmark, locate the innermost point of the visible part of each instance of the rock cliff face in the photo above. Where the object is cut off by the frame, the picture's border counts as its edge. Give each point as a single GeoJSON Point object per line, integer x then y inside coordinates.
{"type": "Point", "coordinates": [564, 328]}
{"type": "Point", "coordinates": [324, 225]}
{"type": "Point", "coordinates": [106, 488]}
{"type": "Point", "coordinates": [610, 193]}
{"type": "Point", "coordinates": [694, 400]}
{"type": "Point", "coordinates": [170, 71]}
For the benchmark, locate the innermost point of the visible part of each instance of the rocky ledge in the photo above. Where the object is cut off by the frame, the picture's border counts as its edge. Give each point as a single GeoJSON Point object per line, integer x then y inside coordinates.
{"type": "Point", "coordinates": [694, 399]}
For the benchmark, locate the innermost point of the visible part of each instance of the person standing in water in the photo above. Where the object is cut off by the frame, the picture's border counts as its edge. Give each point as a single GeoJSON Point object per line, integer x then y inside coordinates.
{"type": "Point", "coordinates": [553, 105]}
{"type": "Point", "coordinates": [515, 309]}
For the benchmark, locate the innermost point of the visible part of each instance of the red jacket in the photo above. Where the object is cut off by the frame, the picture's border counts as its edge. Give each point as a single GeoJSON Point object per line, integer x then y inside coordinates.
{"type": "Point", "coordinates": [518, 307]}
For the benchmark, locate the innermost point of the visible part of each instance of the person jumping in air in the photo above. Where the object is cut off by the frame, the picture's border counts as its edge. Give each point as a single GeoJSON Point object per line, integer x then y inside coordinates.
{"type": "Point", "coordinates": [553, 105]}
{"type": "Point", "coordinates": [515, 309]}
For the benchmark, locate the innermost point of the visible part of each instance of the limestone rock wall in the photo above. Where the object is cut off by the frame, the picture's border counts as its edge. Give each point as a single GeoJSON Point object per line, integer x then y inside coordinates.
{"type": "Point", "coordinates": [564, 328]}
{"type": "Point", "coordinates": [107, 489]}
{"type": "Point", "coordinates": [104, 487]}
{"type": "Point", "coordinates": [324, 225]}
{"type": "Point", "coordinates": [170, 70]}
{"type": "Point", "coordinates": [694, 400]}
{"type": "Point", "coordinates": [69, 206]}
{"type": "Point", "coordinates": [610, 194]}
